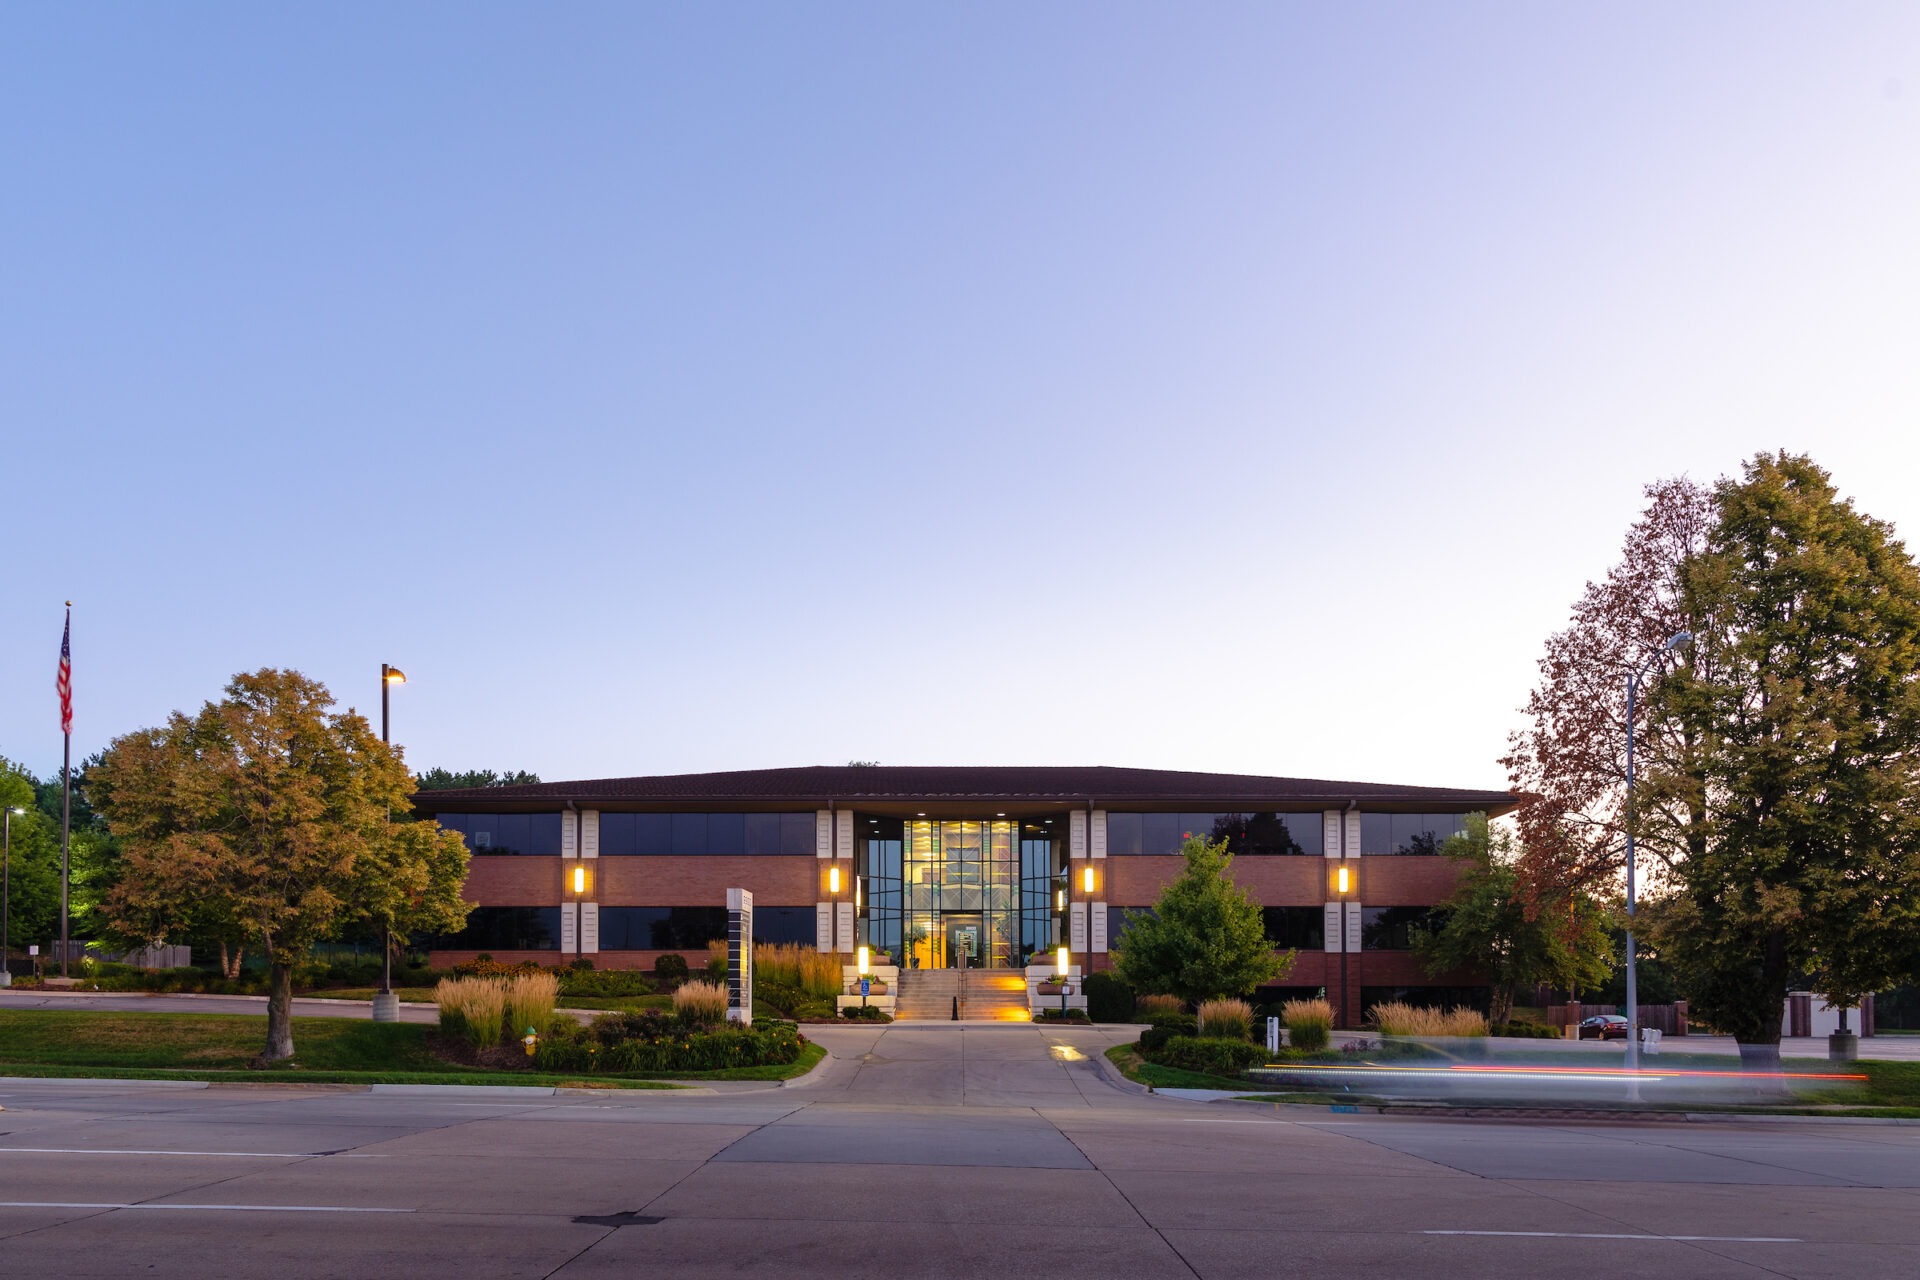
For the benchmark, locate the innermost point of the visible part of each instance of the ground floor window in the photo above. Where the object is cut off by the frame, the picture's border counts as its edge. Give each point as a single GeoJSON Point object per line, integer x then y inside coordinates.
{"type": "Point", "coordinates": [940, 893]}
{"type": "Point", "coordinates": [1427, 997]}
{"type": "Point", "coordinates": [506, 929]}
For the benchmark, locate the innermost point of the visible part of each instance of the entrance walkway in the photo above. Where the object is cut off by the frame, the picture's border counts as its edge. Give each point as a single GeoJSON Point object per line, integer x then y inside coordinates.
{"type": "Point", "coordinates": [964, 1065]}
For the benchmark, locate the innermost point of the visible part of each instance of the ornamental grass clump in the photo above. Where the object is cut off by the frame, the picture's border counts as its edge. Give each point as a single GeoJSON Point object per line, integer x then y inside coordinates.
{"type": "Point", "coordinates": [1147, 1008]}
{"type": "Point", "coordinates": [1308, 1023]}
{"type": "Point", "coordinates": [530, 999]}
{"type": "Point", "coordinates": [1226, 1019]}
{"type": "Point", "coordinates": [718, 958]}
{"type": "Point", "coordinates": [1395, 1019]}
{"type": "Point", "coordinates": [473, 1007]}
{"type": "Point", "coordinates": [701, 1003]}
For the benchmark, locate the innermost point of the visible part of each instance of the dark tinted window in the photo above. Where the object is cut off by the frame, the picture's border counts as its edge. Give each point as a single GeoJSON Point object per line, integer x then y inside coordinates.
{"type": "Point", "coordinates": [763, 833]}
{"type": "Point", "coordinates": [727, 833]}
{"type": "Point", "coordinates": [506, 929]}
{"type": "Point", "coordinates": [1408, 833]}
{"type": "Point", "coordinates": [1298, 928]}
{"type": "Point", "coordinates": [481, 830]}
{"type": "Point", "coordinates": [689, 834]}
{"type": "Point", "coordinates": [1392, 928]}
{"type": "Point", "coordinates": [616, 835]}
{"type": "Point", "coordinates": [652, 834]}
{"type": "Point", "coordinates": [797, 835]}
{"type": "Point", "coordinates": [1118, 918]}
{"type": "Point", "coordinates": [513, 833]}
{"type": "Point", "coordinates": [1160, 833]}
{"type": "Point", "coordinates": [773, 925]}
{"type": "Point", "coordinates": [661, 928]}
{"type": "Point", "coordinates": [1427, 997]}
{"type": "Point", "coordinates": [1123, 833]}
{"type": "Point", "coordinates": [544, 837]}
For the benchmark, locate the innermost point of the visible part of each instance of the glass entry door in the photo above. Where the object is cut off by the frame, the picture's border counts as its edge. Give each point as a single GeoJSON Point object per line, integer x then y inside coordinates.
{"type": "Point", "coordinates": [963, 941]}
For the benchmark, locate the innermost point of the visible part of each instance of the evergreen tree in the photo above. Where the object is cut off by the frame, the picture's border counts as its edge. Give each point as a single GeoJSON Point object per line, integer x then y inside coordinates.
{"type": "Point", "coordinates": [1206, 938]}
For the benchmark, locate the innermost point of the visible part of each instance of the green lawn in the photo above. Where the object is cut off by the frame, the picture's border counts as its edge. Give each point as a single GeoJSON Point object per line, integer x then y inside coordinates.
{"type": "Point", "coordinates": [192, 1046]}
{"type": "Point", "coordinates": [1140, 1071]}
{"type": "Point", "coordinates": [424, 995]}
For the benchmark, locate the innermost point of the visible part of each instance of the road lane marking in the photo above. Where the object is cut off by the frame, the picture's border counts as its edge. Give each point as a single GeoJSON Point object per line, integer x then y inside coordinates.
{"type": "Point", "coordinates": [1605, 1235]}
{"type": "Point", "coordinates": [252, 1155]}
{"type": "Point", "coordinates": [241, 1208]}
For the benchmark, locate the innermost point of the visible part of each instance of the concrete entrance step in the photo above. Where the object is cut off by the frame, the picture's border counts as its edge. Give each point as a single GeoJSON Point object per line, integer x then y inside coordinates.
{"type": "Point", "coordinates": [983, 995]}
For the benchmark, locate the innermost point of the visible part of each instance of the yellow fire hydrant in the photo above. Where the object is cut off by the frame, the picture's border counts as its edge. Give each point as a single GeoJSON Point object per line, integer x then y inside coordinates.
{"type": "Point", "coordinates": [531, 1040]}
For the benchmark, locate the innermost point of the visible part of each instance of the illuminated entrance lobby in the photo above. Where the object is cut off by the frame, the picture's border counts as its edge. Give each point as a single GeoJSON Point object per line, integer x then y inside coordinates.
{"type": "Point", "coordinates": [983, 893]}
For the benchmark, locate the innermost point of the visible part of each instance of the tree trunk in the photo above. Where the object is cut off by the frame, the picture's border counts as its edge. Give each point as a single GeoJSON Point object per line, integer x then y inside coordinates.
{"type": "Point", "coordinates": [280, 1013]}
{"type": "Point", "coordinates": [1502, 1006]}
{"type": "Point", "coordinates": [223, 958]}
{"type": "Point", "coordinates": [1761, 1061]}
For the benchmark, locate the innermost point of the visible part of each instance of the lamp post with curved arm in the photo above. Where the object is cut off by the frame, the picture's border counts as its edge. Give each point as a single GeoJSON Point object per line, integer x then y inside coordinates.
{"type": "Point", "coordinates": [1633, 971]}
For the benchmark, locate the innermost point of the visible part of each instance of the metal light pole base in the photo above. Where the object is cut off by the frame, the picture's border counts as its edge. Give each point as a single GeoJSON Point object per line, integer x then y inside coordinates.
{"type": "Point", "coordinates": [386, 1007]}
{"type": "Point", "coordinates": [6, 979]}
{"type": "Point", "coordinates": [1843, 1046]}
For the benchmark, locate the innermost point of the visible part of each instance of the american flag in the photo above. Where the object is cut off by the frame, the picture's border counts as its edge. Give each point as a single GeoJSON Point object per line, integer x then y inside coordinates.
{"type": "Point", "coordinates": [64, 681]}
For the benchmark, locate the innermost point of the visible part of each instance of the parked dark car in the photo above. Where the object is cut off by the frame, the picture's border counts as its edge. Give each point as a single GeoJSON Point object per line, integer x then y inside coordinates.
{"type": "Point", "coordinates": [1604, 1026]}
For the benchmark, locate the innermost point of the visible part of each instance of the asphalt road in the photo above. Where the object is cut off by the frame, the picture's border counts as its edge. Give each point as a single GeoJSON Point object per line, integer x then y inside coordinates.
{"type": "Point", "coordinates": [979, 1152]}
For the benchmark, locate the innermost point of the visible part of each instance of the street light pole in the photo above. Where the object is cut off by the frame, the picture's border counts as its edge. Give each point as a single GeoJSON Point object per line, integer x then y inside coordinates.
{"type": "Point", "coordinates": [6, 900]}
{"type": "Point", "coordinates": [386, 1005]}
{"type": "Point", "coordinates": [1633, 969]}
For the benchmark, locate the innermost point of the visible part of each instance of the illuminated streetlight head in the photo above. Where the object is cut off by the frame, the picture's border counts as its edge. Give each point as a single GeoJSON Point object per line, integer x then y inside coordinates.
{"type": "Point", "coordinates": [393, 675]}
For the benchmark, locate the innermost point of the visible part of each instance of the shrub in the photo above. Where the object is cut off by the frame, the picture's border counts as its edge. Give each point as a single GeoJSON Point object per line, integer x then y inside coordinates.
{"type": "Point", "coordinates": [1165, 1027]}
{"type": "Point", "coordinates": [607, 982]}
{"type": "Point", "coordinates": [1149, 1007]}
{"type": "Point", "coordinates": [1308, 1023]}
{"type": "Point", "coordinates": [487, 967]}
{"type": "Point", "coordinates": [1209, 1055]}
{"type": "Point", "coordinates": [670, 968]}
{"type": "Point", "coordinates": [1108, 998]}
{"type": "Point", "coordinates": [1062, 1015]}
{"type": "Point", "coordinates": [653, 1042]}
{"type": "Point", "coordinates": [1395, 1019]}
{"type": "Point", "coordinates": [871, 1013]}
{"type": "Point", "coordinates": [1527, 1030]}
{"type": "Point", "coordinates": [1226, 1019]}
{"type": "Point", "coordinates": [529, 1000]}
{"type": "Point", "coordinates": [701, 1003]}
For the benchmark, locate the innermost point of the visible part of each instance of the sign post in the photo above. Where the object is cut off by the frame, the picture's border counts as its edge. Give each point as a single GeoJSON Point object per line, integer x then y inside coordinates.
{"type": "Point", "coordinates": [740, 956]}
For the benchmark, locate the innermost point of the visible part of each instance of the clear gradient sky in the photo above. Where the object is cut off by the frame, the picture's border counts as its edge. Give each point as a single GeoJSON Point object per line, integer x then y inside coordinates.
{"type": "Point", "coordinates": [672, 388]}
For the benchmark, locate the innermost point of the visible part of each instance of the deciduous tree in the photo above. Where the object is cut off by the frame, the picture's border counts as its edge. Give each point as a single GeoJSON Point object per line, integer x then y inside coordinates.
{"type": "Point", "coordinates": [1490, 926]}
{"type": "Point", "coordinates": [1804, 703]}
{"type": "Point", "coordinates": [1206, 936]}
{"type": "Point", "coordinates": [266, 814]}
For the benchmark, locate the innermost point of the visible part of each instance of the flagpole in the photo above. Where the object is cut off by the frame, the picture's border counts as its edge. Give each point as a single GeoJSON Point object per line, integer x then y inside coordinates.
{"type": "Point", "coordinates": [66, 780]}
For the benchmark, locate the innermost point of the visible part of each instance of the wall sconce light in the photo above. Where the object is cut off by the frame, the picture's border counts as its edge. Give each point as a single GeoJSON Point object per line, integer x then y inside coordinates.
{"type": "Point", "coordinates": [1086, 878]}
{"type": "Point", "coordinates": [1059, 899]}
{"type": "Point", "coordinates": [579, 881]}
{"type": "Point", "coordinates": [1343, 881]}
{"type": "Point", "coordinates": [833, 880]}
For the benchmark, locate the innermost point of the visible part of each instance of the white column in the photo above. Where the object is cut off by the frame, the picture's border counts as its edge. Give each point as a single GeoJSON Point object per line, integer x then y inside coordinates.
{"type": "Point", "coordinates": [590, 833]}
{"type": "Point", "coordinates": [823, 833]}
{"type": "Point", "coordinates": [1077, 834]}
{"type": "Point", "coordinates": [569, 834]}
{"type": "Point", "coordinates": [589, 928]}
{"type": "Point", "coordinates": [1098, 941]}
{"type": "Point", "coordinates": [823, 926]}
{"type": "Point", "coordinates": [1098, 838]}
{"type": "Point", "coordinates": [1353, 833]}
{"type": "Point", "coordinates": [569, 927]}
{"type": "Point", "coordinates": [843, 837]}
{"type": "Point", "coordinates": [844, 938]}
{"type": "Point", "coordinates": [1077, 927]}
{"type": "Point", "coordinates": [1332, 929]}
{"type": "Point", "coordinates": [1353, 926]}
{"type": "Point", "coordinates": [1330, 833]}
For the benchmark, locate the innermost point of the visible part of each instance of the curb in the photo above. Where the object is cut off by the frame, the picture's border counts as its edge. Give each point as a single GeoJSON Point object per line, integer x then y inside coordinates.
{"type": "Point", "coordinates": [1561, 1116]}
{"type": "Point", "coordinates": [1114, 1077]}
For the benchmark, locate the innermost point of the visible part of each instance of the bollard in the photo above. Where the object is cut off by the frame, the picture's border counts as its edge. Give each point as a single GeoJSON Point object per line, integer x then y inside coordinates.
{"type": "Point", "coordinates": [956, 1009]}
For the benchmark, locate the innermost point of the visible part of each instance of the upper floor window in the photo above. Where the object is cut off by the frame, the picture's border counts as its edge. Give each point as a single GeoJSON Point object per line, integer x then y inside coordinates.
{"type": "Point", "coordinates": [1247, 833]}
{"type": "Point", "coordinates": [1408, 833]}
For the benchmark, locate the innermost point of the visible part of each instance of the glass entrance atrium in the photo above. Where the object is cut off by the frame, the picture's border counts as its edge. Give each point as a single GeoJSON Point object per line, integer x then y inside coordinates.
{"type": "Point", "coordinates": [940, 893]}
